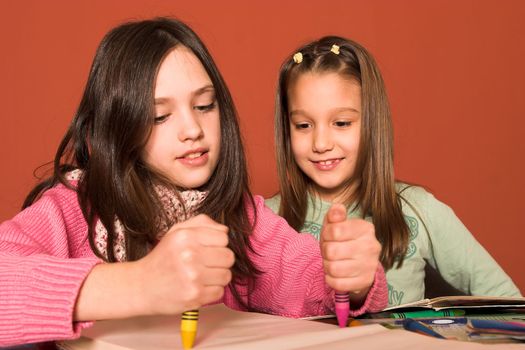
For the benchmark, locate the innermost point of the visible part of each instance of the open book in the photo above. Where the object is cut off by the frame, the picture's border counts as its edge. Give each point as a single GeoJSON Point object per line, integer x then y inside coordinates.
{"type": "Point", "coordinates": [463, 302]}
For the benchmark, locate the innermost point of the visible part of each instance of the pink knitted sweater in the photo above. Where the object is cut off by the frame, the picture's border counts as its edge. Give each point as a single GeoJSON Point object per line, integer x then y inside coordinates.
{"type": "Point", "coordinates": [45, 257]}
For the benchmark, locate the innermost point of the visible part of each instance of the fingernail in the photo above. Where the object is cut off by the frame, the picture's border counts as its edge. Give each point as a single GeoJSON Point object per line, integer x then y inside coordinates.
{"type": "Point", "coordinates": [337, 213]}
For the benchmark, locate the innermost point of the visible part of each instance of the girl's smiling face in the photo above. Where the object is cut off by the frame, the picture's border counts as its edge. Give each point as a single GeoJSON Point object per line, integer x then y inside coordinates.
{"type": "Point", "coordinates": [184, 143]}
{"type": "Point", "coordinates": [325, 128]}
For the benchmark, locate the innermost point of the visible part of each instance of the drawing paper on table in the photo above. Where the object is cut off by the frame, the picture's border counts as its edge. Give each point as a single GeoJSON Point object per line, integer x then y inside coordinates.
{"type": "Point", "coordinates": [222, 328]}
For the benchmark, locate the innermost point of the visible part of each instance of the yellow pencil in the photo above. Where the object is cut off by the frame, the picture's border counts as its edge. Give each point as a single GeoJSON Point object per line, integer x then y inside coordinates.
{"type": "Point", "coordinates": [188, 328]}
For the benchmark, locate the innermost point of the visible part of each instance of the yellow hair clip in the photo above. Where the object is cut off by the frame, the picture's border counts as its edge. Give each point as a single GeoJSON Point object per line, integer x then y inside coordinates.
{"type": "Point", "coordinates": [298, 57]}
{"type": "Point", "coordinates": [335, 49]}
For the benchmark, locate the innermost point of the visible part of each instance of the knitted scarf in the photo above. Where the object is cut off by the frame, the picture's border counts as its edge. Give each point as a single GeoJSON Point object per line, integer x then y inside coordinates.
{"type": "Point", "coordinates": [174, 209]}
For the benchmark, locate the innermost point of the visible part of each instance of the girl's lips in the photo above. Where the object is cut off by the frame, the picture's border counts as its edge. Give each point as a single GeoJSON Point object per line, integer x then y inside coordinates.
{"type": "Point", "coordinates": [194, 159]}
{"type": "Point", "coordinates": [326, 165]}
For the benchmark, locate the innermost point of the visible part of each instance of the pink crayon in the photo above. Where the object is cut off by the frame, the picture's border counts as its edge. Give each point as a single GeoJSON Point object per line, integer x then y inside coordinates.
{"type": "Point", "coordinates": [342, 308]}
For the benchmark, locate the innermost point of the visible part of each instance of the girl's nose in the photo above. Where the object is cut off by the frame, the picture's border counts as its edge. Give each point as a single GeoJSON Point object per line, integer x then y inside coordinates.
{"type": "Point", "coordinates": [322, 141]}
{"type": "Point", "coordinates": [189, 127]}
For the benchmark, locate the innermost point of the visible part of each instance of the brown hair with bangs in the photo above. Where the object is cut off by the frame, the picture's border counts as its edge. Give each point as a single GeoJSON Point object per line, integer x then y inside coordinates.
{"type": "Point", "coordinates": [373, 179]}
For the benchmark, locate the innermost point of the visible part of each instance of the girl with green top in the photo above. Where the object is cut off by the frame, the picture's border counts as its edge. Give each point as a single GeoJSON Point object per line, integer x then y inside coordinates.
{"type": "Point", "coordinates": [334, 143]}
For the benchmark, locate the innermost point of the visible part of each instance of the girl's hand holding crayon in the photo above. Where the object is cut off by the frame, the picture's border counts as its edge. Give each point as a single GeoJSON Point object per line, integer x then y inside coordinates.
{"type": "Point", "coordinates": [350, 253]}
{"type": "Point", "coordinates": [189, 267]}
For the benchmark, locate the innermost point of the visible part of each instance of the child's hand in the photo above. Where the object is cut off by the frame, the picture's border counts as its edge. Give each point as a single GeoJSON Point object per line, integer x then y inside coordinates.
{"type": "Point", "coordinates": [188, 268]}
{"type": "Point", "coordinates": [350, 252]}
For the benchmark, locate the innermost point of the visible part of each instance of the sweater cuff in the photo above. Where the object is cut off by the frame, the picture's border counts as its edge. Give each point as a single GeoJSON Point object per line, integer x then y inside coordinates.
{"type": "Point", "coordinates": [50, 288]}
{"type": "Point", "coordinates": [377, 297]}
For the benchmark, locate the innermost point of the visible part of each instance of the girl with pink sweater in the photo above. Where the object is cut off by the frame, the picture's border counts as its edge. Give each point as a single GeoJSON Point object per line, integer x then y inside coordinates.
{"type": "Point", "coordinates": [148, 210]}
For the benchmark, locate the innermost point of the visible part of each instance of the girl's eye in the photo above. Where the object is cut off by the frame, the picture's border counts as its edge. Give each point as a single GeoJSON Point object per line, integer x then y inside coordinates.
{"type": "Point", "coordinates": [206, 108]}
{"type": "Point", "coordinates": [343, 123]}
{"type": "Point", "coordinates": [160, 119]}
{"type": "Point", "coordinates": [302, 126]}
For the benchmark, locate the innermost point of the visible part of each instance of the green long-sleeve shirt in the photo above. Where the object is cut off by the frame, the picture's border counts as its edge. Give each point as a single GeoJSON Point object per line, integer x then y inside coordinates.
{"type": "Point", "coordinates": [437, 237]}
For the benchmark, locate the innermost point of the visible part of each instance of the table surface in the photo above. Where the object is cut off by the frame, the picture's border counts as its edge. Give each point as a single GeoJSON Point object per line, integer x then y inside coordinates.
{"type": "Point", "coordinates": [222, 328]}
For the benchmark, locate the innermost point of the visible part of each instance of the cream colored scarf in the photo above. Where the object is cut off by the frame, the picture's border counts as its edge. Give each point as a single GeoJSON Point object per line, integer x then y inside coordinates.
{"type": "Point", "coordinates": [175, 211]}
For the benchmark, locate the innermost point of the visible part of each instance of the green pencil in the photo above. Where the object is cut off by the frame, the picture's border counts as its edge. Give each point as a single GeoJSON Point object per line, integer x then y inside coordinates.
{"type": "Point", "coordinates": [428, 313]}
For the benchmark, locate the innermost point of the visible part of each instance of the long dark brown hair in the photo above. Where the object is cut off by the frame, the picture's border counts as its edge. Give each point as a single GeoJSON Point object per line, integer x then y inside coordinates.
{"type": "Point", "coordinates": [110, 129]}
{"type": "Point", "coordinates": [375, 192]}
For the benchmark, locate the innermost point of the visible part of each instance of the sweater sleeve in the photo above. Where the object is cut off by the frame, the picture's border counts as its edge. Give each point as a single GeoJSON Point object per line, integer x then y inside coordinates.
{"type": "Point", "coordinates": [292, 281]}
{"type": "Point", "coordinates": [460, 258]}
{"type": "Point", "coordinates": [44, 260]}
{"type": "Point", "coordinates": [377, 297]}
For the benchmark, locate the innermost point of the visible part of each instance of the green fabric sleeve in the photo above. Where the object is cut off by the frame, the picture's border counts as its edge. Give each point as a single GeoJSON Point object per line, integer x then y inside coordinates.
{"type": "Point", "coordinates": [458, 256]}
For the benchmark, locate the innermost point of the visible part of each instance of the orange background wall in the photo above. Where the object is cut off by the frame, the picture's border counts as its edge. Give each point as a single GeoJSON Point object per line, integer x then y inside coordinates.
{"type": "Point", "coordinates": [454, 71]}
